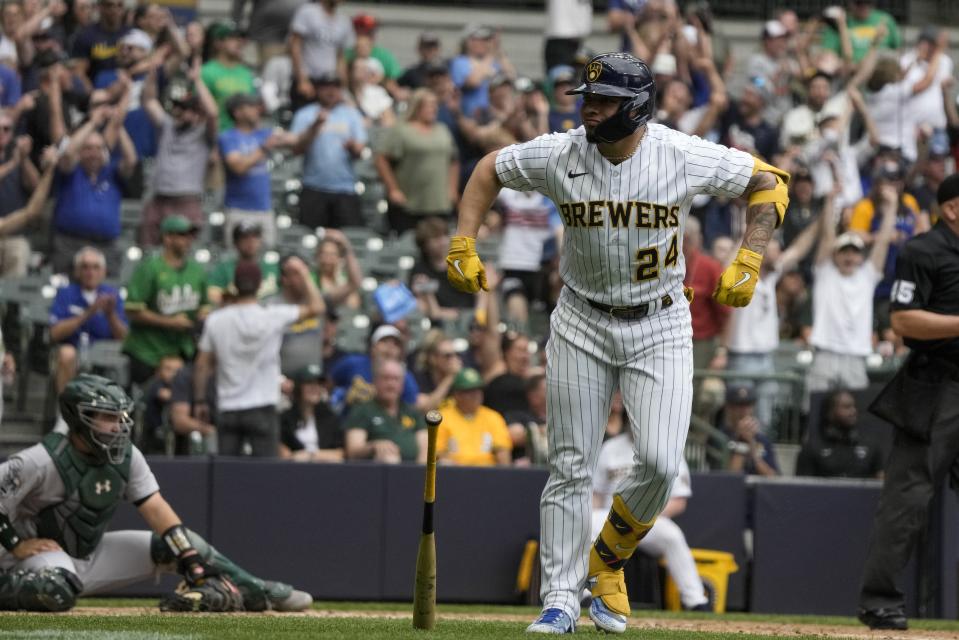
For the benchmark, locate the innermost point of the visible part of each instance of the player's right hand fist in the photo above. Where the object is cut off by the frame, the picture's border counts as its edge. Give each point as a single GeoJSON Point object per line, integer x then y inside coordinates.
{"type": "Point", "coordinates": [464, 269]}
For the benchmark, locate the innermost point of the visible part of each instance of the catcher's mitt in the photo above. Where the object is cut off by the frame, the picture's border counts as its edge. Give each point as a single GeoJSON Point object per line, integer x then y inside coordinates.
{"type": "Point", "coordinates": [216, 594]}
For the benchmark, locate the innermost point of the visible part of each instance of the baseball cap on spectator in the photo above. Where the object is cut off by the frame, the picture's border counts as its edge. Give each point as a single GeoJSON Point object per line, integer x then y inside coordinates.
{"type": "Point", "coordinates": [177, 224]}
{"type": "Point", "coordinates": [848, 240]}
{"type": "Point", "coordinates": [385, 331]}
{"type": "Point", "coordinates": [138, 38]}
{"type": "Point", "coordinates": [499, 80]}
{"type": "Point", "coordinates": [830, 110]}
{"type": "Point", "coordinates": [326, 79]}
{"type": "Point", "coordinates": [246, 228]}
{"type": "Point", "coordinates": [478, 31]}
{"type": "Point", "coordinates": [467, 379]}
{"type": "Point", "coordinates": [524, 85]}
{"type": "Point", "coordinates": [187, 100]}
{"type": "Point", "coordinates": [948, 189]}
{"type": "Point", "coordinates": [364, 24]}
{"type": "Point", "coordinates": [247, 278]}
{"type": "Point", "coordinates": [801, 172]}
{"type": "Point", "coordinates": [664, 64]}
{"type": "Point", "coordinates": [562, 73]}
{"type": "Point", "coordinates": [437, 68]}
{"type": "Point", "coordinates": [774, 29]}
{"type": "Point", "coordinates": [760, 85]}
{"type": "Point", "coordinates": [740, 394]}
{"type": "Point", "coordinates": [224, 30]}
{"type": "Point", "coordinates": [821, 73]}
{"type": "Point", "coordinates": [929, 33]}
{"type": "Point", "coordinates": [888, 170]}
{"type": "Point", "coordinates": [50, 57]}
{"type": "Point", "coordinates": [429, 39]}
{"type": "Point", "coordinates": [44, 31]}
{"type": "Point", "coordinates": [238, 100]}
{"type": "Point", "coordinates": [309, 373]}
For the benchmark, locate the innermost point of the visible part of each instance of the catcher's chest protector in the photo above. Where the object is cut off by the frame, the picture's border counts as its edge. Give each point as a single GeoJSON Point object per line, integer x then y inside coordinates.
{"type": "Point", "coordinates": [92, 493]}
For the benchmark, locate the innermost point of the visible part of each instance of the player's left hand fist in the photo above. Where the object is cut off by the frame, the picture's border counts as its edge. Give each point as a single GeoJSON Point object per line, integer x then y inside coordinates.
{"type": "Point", "coordinates": [465, 270]}
{"type": "Point", "coordinates": [738, 282]}
{"type": "Point", "coordinates": [194, 569]}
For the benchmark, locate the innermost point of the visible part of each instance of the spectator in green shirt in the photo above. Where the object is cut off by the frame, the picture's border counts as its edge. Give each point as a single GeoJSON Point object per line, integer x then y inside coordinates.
{"type": "Point", "coordinates": [418, 164]}
{"type": "Point", "coordinates": [225, 74]}
{"type": "Point", "coordinates": [166, 297]}
{"type": "Point", "coordinates": [385, 429]}
{"type": "Point", "coordinates": [248, 242]}
{"type": "Point", "coordinates": [862, 24]}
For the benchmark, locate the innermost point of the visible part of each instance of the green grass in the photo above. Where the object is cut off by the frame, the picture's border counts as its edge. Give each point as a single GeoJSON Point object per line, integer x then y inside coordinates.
{"type": "Point", "coordinates": [259, 628]}
{"type": "Point", "coordinates": [200, 627]}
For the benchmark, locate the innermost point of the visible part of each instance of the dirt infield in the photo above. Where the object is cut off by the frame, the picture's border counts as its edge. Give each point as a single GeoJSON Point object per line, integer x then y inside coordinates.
{"type": "Point", "coordinates": [718, 624]}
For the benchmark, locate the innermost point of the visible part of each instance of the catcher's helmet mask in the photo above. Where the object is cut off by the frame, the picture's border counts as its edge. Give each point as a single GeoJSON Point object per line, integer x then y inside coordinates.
{"type": "Point", "coordinates": [624, 76]}
{"type": "Point", "coordinates": [100, 412]}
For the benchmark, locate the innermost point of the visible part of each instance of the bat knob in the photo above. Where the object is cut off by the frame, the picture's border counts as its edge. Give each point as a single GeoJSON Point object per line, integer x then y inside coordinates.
{"type": "Point", "coordinates": [434, 418]}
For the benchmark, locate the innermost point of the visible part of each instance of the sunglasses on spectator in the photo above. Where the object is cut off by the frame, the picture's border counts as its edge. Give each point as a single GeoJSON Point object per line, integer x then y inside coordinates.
{"type": "Point", "coordinates": [447, 354]}
{"type": "Point", "coordinates": [90, 265]}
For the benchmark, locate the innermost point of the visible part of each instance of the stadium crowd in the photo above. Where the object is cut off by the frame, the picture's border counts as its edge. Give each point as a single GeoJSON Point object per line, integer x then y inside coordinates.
{"type": "Point", "coordinates": [255, 240]}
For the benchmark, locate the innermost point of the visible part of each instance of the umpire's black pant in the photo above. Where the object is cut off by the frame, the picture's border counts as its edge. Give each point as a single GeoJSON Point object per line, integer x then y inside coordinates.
{"type": "Point", "coordinates": [914, 471]}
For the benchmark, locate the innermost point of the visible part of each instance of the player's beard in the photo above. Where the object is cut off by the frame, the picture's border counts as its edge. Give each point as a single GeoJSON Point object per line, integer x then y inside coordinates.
{"type": "Point", "coordinates": [590, 133]}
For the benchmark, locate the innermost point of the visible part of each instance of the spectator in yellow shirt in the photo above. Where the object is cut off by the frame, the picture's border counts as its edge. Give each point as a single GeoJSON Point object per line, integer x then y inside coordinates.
{"type": "Point", "coordinates": [472, 434]}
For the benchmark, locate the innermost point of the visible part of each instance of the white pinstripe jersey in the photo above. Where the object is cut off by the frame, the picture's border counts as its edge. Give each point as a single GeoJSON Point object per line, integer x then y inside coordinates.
{"type": "Point", "coordinates": [624, 223]}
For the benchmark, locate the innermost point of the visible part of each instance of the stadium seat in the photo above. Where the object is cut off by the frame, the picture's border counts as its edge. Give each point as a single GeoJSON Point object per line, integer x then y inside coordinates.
{"type": "Point", "coordinates": [106, 358]}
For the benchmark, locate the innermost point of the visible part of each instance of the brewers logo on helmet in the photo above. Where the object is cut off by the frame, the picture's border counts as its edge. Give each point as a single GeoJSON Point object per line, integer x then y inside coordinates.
{"type": "Point", "coordinates": [593, 69]}
{"type": "Point", "coordinates": [619, 75]}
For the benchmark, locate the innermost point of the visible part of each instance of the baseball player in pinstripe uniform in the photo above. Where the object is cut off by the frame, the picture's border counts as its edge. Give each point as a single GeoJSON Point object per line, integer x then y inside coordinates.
{"type": "Point", "coordinates": [623, 188]}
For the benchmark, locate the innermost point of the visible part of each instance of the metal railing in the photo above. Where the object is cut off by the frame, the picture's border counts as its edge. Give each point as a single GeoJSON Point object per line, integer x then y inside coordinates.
{"type": "Point", "coordinates": [784, 395]}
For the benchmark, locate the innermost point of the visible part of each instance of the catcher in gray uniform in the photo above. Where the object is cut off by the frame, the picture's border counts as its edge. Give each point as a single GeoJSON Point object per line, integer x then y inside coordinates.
{"type": "Point", "coordinates": [56, 501]}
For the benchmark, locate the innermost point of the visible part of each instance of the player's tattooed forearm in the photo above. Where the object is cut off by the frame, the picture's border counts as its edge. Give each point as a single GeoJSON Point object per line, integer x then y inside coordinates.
{"type": "Point", "coordinates": [760, 224]}
{"type": "Point", "coordinates": [760, 218]}
{"type": "Point", "coordinates": [760, 181]}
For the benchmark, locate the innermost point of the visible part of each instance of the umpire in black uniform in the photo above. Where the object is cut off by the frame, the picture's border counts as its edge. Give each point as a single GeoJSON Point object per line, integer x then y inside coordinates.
{"type": "Point", "coordinates": [922, 401]}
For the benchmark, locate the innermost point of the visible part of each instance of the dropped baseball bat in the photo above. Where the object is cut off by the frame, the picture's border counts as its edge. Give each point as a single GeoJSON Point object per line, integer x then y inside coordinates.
{"type": "Point", "coordinates": [424, 588]}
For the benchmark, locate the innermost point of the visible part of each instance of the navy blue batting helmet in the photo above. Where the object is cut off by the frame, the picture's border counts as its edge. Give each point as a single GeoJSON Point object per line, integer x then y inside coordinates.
{"type": "Point", "coordinates": [622, 75]}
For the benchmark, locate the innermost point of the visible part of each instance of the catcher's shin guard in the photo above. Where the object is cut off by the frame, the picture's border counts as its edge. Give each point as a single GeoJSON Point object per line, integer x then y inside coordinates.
{"type": "Point", "coordinates": [613, 547]}
{"type": "Point", "coordinates": [47, 589]}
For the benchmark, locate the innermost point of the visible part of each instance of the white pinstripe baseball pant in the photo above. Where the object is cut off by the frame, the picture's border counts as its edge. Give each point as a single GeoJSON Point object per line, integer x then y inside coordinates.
{"type": "Point", "coordinates": [589, 355]}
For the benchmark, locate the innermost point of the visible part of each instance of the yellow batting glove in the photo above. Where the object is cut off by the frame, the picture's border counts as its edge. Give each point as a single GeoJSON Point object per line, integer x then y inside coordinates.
{"type": "Point", "coordinates": [738, 282]}
{"type": "Point", "coordinates": [464, 269]}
